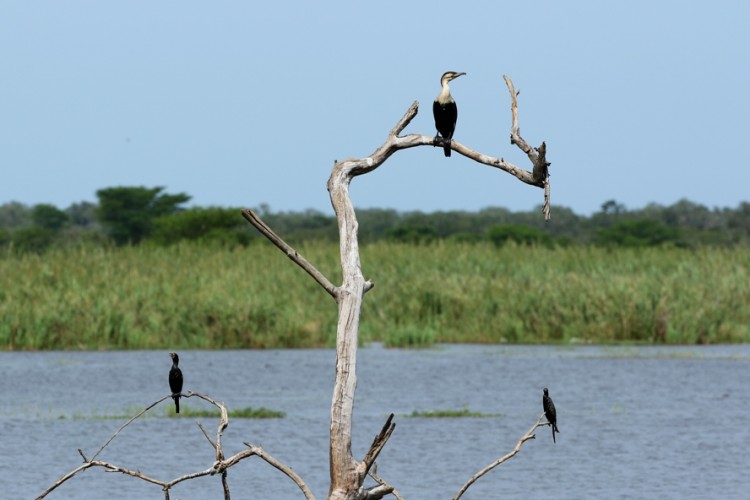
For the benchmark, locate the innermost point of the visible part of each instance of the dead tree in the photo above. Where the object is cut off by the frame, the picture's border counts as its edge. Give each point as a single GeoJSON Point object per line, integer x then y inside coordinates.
{"type": "Point", "coordinates": [347, 473]}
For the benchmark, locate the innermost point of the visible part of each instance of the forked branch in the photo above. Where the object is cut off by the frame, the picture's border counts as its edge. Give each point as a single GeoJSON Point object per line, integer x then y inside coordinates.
{"type": "Point", "coordinates": [537, 156]}
{"type": "Point", "coordinates": [538, 176]}
{"type": "Point", "coordinates": [377, 444]}
{"type": "Point", "coordinates": [219, 466]}
{"type": "Point", "coordinates": [382, 489]}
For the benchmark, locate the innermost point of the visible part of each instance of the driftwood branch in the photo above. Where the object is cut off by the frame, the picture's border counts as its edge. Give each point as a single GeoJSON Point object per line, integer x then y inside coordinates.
{"type": "Point", "coordinates": [219, 466]}
{"type": "Point", "coordinates": [541, 421]}
{"type": "Point", "coordinates": [290, 252]}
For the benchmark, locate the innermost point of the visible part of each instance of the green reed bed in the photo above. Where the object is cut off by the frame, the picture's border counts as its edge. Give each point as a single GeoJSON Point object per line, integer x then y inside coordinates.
{"type": "Point", "coordinates": [193, 296]}
{"type": "Point", "coordinates": [478, 293]}
{"type": "Point", "coordinates": [154, 297]}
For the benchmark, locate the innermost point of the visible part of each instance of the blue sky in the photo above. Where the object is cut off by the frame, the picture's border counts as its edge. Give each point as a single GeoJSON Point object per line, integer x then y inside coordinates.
{"type": "Point", "coordinates": [238, 104]}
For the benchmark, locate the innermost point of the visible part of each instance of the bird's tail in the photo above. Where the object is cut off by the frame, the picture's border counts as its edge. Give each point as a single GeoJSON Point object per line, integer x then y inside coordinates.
{"type": "Point", "coordinates": [553, 434]}
{"type": "Point", "coordinates": [447, 147]}
{"type": "Point", "coordinates": [176, 404]}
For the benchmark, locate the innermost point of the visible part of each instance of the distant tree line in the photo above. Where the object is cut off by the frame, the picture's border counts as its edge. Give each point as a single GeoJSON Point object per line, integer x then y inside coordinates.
{"type": "Point", "coordinates": [142, 215]}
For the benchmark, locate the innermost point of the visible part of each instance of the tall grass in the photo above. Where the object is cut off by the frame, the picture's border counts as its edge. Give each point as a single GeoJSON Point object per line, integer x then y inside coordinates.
{"type": "Point", "coordinates": [181, 297]}
{"type": "Point", "coordinates": [192, 296]}
{"type": "Point", "coordinates": [477, 293]}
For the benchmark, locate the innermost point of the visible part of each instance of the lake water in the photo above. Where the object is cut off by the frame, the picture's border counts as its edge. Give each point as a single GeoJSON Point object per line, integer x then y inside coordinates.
{"type": "Point", "coordinates": [635, 422]}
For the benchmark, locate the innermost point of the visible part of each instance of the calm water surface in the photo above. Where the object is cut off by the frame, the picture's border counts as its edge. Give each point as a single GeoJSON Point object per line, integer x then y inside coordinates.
{"type": "Point", "coordinates": [635, 422]}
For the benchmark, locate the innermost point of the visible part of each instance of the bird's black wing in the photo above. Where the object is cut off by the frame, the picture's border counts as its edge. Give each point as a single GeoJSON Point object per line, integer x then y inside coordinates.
{"type": "Point", "coordinates": [551, 414]}
{"type": "Point", "coordinates": [451, 111]}
{"type": "Point", "coordinates": [437, 114]}
{"type": "Point", "coordinates": [549, 409]}
{"type": "Point", "coordinates": [445, 118]}
{"type": "Point", "coordinates": [175, 385]}
{"type": "Point", "coordinates": [445, 122]}
{"type": "Point", "coordinates": [175, 380]}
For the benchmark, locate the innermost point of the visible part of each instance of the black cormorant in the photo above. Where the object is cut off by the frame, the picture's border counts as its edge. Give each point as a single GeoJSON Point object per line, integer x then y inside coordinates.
{"type": "Point", "coordinates": [445, 111]}
{"type": "Point", "coordinates": [175, 380]}
{"type": "Point", "coordinates": [550, 413]}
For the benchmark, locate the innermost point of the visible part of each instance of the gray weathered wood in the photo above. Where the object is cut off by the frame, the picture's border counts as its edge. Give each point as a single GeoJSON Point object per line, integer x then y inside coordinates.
{"type": "Point", "coordinates": [347, 473]}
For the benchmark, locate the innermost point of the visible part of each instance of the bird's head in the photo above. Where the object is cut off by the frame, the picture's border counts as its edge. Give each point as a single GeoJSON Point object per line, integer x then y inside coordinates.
{"type": "Point", "coordinates": [546, 392]}
{"type": "Point", "coordinates": [449, 75]}
{"type": "Point", "coordinates": [174, 356]}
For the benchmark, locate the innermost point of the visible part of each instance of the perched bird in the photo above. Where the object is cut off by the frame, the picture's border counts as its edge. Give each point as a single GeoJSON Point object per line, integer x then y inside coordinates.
{"type": "Point", "coordinates": [445, 112]}
{"type": "Point", "coordinates": [175, 380]}
{"type": "Point", "coordinates": [550, 413]}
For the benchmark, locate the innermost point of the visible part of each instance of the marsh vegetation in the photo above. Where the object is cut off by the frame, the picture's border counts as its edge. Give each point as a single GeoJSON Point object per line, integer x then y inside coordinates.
{"type": "Point", "coordinates": [202, 296]}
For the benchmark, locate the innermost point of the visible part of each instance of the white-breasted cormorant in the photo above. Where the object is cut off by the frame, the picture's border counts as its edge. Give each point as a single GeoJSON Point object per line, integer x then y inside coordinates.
{"type": "Point", "coordinates": [175, 380]}
{"type": "Point", "coordinates": [550, 413]}
{"type": "Point", "coordinates": [445, 111]}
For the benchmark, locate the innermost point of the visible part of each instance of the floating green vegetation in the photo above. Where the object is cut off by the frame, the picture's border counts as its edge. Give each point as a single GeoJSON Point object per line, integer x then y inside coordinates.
{"type": "Point", "coordinates": [185, 412]}
{"type": "Point", "coordinates": [462, 413]}
{"type": "Point", "coordinates": [247, 412]}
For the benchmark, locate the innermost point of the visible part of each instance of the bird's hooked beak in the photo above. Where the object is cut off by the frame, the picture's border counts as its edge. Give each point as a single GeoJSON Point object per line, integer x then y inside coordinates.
{"type": "Point", "coordinates": [457, 75]}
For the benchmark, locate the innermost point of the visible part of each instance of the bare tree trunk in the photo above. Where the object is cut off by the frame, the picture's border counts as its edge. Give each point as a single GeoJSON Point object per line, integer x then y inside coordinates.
{"type": "Point", "coordinates": [347, 473]}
